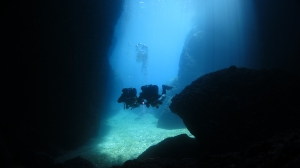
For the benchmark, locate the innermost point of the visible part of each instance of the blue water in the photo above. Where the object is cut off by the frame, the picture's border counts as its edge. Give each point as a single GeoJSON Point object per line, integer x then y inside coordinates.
{"type": "Point", "coordinates": [225, 30]}
{"type": "Point", "coordinates": [162, 27]}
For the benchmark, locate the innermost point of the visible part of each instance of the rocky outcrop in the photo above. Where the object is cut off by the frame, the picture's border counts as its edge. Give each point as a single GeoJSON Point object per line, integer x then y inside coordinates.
{"type": "Point", "coordinates": [232, 108]}
{"type": "Point", "coordinates": [279, 151]}
{"type": "Point", "coordinates": [178, 147]}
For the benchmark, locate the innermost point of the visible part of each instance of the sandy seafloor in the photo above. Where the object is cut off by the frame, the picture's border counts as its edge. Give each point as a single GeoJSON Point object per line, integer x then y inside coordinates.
{"type": "Point", "coordinates": [128, 134]}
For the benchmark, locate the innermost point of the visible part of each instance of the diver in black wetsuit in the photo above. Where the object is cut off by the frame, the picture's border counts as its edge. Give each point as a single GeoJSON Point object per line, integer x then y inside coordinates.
{"type": "Point", "coordinates": [128, 97]}
{"type": "Point", "coordinates": [148, 96]}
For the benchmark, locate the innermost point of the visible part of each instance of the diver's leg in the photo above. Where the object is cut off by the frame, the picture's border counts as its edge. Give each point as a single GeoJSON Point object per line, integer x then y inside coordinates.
{"type": "Point", "coordinates": [165, 88]}
{"type": "Point", "coordinates": [161, 98]}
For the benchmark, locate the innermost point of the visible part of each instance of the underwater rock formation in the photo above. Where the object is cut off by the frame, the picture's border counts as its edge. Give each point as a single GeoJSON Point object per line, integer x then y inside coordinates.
{"type": "Point", "coordinates": [178, 147]}
{"type": "Point", "coordinates": [55, 74]}
{"type": "Point", "coordinates": [232, 108]}
{"type": "Point", "coordinates": [279, 151]}
{"type": "Point", "coordinates": [190, 58]}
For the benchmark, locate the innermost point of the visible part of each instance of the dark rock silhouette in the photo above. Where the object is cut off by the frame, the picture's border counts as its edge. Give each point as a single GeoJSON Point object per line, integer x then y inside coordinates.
{"type": "Point", "coordinates": [77, 162]}
{"type": "Point", "coordinates": [276, 152]}
{"type": "Point", "coordinates": [232, 108]}
{"type": "Point", "coordinates": [178, 147]}
{"type": "Point", "coordinates": [55, 71]}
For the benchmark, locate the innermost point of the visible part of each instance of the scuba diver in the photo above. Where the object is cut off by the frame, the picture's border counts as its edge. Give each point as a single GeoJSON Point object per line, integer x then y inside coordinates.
{"type": "Point", "coordinates": [148, 96]}
{"type": "Point", "coordinates": [129, 98]}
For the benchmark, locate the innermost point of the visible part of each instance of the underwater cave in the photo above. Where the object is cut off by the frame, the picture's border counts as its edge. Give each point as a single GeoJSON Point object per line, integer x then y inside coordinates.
{"type": "Point", "coordinates": [66, 63]}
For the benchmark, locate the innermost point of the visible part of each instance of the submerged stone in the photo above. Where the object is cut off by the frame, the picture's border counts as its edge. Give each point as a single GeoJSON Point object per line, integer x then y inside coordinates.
{"type": "Point", "coordinates": [232, 108]}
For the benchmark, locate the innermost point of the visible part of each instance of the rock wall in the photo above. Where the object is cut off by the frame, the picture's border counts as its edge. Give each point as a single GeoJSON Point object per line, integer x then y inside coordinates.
{"type": "Point", "coordinates": [278, 25]}
{"type": "Point", "coordinates": [55, 70]}
{"type": "Point", "coordinates": [275, 42]}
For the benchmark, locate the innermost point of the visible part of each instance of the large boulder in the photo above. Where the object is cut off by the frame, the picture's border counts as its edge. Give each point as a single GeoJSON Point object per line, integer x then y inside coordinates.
{"type": "Point", "coordinates": [278, 151]}
{"type": "Point", "coordinates": [232, 108]}
{"type": "Point", "coordinates": [178, 147]}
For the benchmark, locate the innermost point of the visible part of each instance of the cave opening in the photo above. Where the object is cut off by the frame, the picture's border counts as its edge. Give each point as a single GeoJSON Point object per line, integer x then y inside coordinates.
{"type": "Point", "coordinates": [169, 42]}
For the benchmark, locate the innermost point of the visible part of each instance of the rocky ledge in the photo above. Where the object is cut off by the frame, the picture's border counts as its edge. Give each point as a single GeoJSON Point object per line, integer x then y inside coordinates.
{"type": "Point", "coordinates": [232, 108]}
